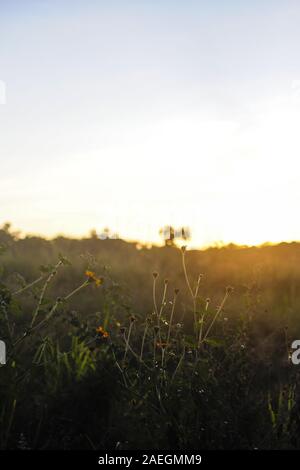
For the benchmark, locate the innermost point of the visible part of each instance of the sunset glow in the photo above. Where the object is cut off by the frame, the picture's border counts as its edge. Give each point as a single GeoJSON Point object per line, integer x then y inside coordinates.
{"type": "Point", "coordinates": [140, 116]}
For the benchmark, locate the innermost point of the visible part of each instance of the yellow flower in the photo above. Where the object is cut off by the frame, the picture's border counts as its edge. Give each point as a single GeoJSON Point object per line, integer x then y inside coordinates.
{"type": "Point", "coordinates": [92, 277]}
{"type": "Point", "coordinates": [101, 332]}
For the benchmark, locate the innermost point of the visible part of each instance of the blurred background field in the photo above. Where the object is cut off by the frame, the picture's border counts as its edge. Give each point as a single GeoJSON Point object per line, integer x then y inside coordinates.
{"type": "Point", "coordinates": [269, 274]}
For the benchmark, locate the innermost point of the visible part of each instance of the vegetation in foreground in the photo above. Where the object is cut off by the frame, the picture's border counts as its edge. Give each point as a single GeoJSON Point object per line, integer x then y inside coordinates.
{"type": "Point", "coordinates": [138, 356]}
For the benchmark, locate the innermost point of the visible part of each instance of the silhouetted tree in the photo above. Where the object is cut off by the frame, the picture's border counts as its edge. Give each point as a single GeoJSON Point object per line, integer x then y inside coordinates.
{"type": "Point", "coordinates": [170, 235]}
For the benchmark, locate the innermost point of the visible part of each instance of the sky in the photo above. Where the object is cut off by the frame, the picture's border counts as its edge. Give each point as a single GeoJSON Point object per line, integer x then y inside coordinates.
{"type": "Point", "coordinates": [138, 114]}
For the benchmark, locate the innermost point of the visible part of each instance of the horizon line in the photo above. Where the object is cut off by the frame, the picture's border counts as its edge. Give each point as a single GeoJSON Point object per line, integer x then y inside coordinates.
{"type": "Point", "coordinates": [94, 234]}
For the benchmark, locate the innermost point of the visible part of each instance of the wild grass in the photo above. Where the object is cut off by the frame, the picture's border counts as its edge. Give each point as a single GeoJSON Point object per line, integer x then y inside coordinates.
{"type": "Point", "coordinates": [88, 367]}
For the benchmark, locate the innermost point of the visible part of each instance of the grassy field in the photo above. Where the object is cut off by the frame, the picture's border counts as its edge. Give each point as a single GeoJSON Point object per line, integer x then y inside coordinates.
{"type": "Point", "coordinates": [111, 345]}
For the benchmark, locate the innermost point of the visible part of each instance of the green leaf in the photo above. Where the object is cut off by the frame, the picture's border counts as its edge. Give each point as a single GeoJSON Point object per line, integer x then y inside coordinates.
{"type": "Point", "coordinates": [215, 343]}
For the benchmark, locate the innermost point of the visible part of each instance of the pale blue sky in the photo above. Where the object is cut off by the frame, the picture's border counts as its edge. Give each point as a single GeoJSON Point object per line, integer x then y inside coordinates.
{"type": "Point", "coordinates": [134, 114]}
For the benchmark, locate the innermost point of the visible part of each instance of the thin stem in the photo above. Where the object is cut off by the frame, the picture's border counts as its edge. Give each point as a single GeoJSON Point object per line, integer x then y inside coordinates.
{"type": "Point", "coordinates": [42, 295]}
{"type": "Point", "coordinates": [201, 325]}
{"type": "Point", "coordinates": [54, 308]}
{"type": "Point", "coordinates": [186, 275]}
{"type": "Point", "coordinates": [198, 285]}
{"type": "Point", "coordinates": [195, 314]}
{"type": "Point", "coordinates": [171, 319]}
{"type": "Point", "coordinates": [161, 308]}
{"type": "Point", "coordinates": [154, 349]}
{"type": "Point", "coordinates": [143, 341]}
{"type": "Point", "coordinates": [23, 289]}
{"type": "Point", "coordinates": [163, 302]}
{"type": "Point", "coordinates": [201, 331]}
{"type": "Point", "coordinates": [162, 357]}
{"type": "Point", "coordinates": [137, 356]}
{"type": "Point", "coordinates": [178, 365]}
{"type": "Point", "coordinates": [154, 296]}
{"type": "Point", "coordinates": [193, 294]}
{"type": "Point", "coordinates": [219, 309]}
{"type": "Point", "coordinates": [52, 311]}
{"type": "Point", "coordinates": [47, 318]}
{"type": "Point", "coordinates": [127, 340]}
{"type": "Point", "coordinates": [154, 301]}
{"type": "Point", "coordinates": [118, 366]}
{"type": "Point", "coordinates": [86, 283]}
